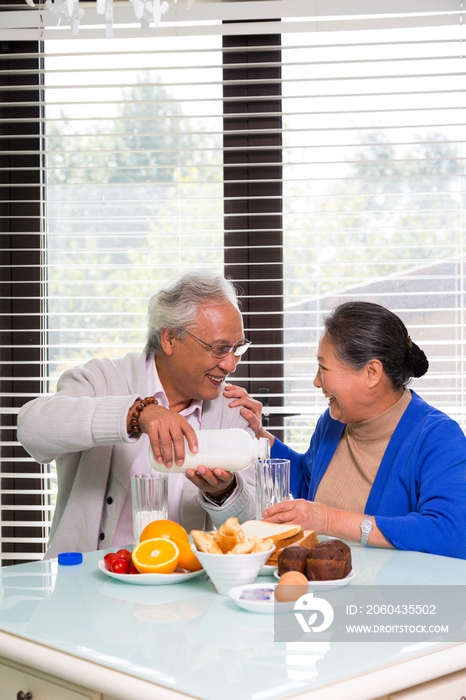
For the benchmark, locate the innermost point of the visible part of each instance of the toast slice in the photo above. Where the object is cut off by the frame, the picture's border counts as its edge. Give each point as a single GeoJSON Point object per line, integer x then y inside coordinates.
{"type": "Point", "coordinates": [308, 540]}
{"type": "Point", "coordinates": [277, 532]}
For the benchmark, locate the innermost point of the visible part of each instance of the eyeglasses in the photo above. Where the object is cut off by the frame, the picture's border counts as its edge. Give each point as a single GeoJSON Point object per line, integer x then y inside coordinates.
{"type": "Point", "coordinates": [222, 350]}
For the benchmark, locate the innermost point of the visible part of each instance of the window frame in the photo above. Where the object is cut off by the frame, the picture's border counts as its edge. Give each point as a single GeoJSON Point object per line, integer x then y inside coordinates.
{"type": "Point", "coordinates": [253, 174]}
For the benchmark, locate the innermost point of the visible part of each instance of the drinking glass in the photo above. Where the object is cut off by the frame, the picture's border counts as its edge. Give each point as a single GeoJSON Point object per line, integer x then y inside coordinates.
{"type": "Point", "coordinates": [149, 494]}
{"type": "Point", "coordinates": [272, 483]}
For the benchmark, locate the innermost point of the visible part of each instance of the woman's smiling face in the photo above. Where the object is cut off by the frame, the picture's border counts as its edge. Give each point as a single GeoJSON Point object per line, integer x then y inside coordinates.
{"type": "Point", "coordinates": [345, 388]}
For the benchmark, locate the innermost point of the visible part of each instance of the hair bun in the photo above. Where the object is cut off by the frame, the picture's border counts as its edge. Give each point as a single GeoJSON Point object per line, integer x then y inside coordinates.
{"type": "Point", "coordinates": [416, 359]}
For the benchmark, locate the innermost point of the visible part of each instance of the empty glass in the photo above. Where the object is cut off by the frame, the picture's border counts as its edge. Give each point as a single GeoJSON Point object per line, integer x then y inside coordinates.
{"type": "Point", "coordinates": [272, 483]}
{"type": "Point", "coordinates": [150, 500]}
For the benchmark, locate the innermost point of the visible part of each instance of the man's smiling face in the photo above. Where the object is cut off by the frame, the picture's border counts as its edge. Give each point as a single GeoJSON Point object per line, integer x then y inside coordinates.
{"type": "Point", "coordinates": [190, 371]}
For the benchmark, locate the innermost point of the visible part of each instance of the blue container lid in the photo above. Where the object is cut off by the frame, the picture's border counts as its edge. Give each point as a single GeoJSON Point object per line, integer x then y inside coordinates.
{"type": "Point", "coordinates": [70, 558]}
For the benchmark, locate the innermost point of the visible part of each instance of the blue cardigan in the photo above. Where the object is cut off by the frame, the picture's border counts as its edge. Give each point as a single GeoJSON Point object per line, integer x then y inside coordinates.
{"type": "Point", "coordinates": [418, 497]}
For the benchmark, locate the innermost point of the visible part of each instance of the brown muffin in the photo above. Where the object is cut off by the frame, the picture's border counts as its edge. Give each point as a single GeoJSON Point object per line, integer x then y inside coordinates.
{"type": "Point", "coordinates": [328, 561]}
{"type": "Point", "coordinates": [292, 558]}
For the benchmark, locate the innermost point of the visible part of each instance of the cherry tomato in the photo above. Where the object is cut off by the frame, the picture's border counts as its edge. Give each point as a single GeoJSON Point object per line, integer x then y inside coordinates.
{"type": "Point", "coordinates": [126, 554]}
{"type": "Point", "coordinates": [132, 569]}
{"type": "Point", "coordinates": [119, 566]}
{"type": "Point", "coordinates": [109, 558]}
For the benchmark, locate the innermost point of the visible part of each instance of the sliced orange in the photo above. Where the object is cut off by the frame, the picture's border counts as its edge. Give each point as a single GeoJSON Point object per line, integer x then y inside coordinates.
{"type": "Point", "coordinates": [164, 528]}
{"type": "Point", "coordinates": [188, 559]}
{"type": "Point", "coordinates": [156, 556]}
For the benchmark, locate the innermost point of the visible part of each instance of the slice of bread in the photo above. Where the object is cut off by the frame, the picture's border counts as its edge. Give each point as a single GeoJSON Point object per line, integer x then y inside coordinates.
{"type": "Point", "coordinates": [293, 539]}
{"type": "Point", "coordinates": [275, 531]}
{"type": "Point", "coordinates": [308, 540]}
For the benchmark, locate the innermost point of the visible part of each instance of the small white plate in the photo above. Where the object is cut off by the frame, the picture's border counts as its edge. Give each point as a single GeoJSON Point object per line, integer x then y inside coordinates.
{"type": "Point", "coordinates": [328, 585]}
{"type": "Point", "coordinates": [152, 579]}
{"type": "Point", "coordinates": [268, 570]}
{"type": "Point", "coordinates": [263, 604]}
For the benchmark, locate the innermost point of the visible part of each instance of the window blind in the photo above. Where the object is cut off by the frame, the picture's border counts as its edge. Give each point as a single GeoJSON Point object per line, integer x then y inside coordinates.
{"type": "Point", "coordinates": [373, 198]}
{"type": "Point", "coordinates": [313, 157]}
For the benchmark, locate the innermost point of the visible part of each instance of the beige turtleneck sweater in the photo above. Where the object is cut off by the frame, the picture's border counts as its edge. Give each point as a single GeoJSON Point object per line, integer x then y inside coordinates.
{"type": "Point", "coordinates": [349, 477]}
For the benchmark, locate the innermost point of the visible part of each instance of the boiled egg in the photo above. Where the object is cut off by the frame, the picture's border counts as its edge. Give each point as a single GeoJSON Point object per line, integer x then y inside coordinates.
{"type": "Point", "coordinates": [291, 586]}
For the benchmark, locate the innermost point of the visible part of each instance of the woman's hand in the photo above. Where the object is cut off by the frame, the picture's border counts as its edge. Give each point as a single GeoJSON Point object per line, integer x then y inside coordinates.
{"type": "Point", "coordinates": [166, 430]}
{"type": "Point", "coordinates": [324, 520]}
{"type": "Point", "coordinates": [308, 514]}
{"type": "Point", "coordinates": [251, 410]}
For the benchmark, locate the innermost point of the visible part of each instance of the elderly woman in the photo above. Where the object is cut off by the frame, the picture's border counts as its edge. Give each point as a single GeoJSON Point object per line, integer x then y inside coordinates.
{"type": "Point", "coordinates": [383, 467]}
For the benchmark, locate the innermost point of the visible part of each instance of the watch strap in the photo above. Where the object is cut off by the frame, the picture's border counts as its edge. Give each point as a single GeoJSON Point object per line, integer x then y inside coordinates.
{"type": "Point", "coordinates": [366, 529]}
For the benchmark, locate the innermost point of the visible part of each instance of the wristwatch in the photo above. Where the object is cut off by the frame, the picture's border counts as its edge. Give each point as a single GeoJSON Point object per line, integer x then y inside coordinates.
{"type": "Point", "coordinates": [366, 528]}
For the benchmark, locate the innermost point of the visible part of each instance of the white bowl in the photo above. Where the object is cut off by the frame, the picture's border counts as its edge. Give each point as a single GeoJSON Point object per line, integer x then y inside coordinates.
{"type": "Point", "coordinates": [229, 570]}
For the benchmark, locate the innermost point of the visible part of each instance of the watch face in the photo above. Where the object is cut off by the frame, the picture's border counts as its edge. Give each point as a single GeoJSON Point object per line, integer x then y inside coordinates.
{"type": "Point", "coordinates": [366, 527]}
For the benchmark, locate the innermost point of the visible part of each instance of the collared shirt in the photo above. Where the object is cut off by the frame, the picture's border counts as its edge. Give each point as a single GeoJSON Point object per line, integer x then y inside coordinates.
{"type": "Point", "coordinates": [141, 465]}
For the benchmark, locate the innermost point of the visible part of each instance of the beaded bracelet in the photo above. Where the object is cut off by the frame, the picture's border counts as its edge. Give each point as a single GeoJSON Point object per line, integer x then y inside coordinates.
{"type": "Point", "coordinates": [137, 413]}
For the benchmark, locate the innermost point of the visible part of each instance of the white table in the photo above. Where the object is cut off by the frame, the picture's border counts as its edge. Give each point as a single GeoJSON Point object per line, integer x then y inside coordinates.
{"type": "Point", "coordinates": [77, 626]}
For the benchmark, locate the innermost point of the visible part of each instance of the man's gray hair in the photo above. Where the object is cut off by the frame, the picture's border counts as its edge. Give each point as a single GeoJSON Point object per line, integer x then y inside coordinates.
{"type": "Point", "coordinates": [176, 304]}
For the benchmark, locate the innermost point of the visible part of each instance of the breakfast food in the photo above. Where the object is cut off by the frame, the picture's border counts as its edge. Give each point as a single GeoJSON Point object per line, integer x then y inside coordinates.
{"type": "Point", "coordinates": [120, 562]}
{"type": "Point", "coordinates": [292, 558]}
{"type": "Point", "coordinates": [274, 531]}
{"type": "Point", "coordinates": [328, 561]}
{"type": "Point", "coordinates": [281, 534]}
{"type": "Point", "coordinates": [188, 559]}
{"type": "Point", "coordinates": [163, 548]}
{"type": "Point", "coordinates": [230, 538]}
{"type": "Point", "coordinates": [291, 586]}
{"type": "Point", "coordinates": [205, 542]}
{"type": "Point", "coordinates": [164, 528]}
{"type": "Point", "coordinates": [170, 530]}
{"type": "Point", "coordinates": [156, 556]}
{"type": "Point", "coordinates": [229, 535]}
{"type": "Point", "coordinates": [307, 538]}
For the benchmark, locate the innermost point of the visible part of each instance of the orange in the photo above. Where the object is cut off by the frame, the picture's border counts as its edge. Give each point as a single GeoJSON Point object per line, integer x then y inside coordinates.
{"type": "Point", "coordinates": [156, 556]}
{"type": "Point", "coordinates": [164, 528]}
{"type": "Point", "coordinates": [188, 559]}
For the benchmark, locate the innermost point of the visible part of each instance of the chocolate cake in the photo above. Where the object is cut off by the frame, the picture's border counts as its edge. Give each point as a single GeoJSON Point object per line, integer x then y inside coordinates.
{"type": "Point", "coordinates": [328, 561]}
{"type": "Point", "coordinates": [292, 558]}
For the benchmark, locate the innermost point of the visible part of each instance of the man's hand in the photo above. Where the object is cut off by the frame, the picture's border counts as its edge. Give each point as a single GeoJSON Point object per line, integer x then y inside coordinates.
{"type": "Point", "coordinates": [214, 482]}
{"type": "Point", "coordinates": [166, 430]}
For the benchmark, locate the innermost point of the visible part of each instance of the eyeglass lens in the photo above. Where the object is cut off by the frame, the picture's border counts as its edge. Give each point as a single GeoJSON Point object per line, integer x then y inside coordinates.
{"type": "Point", "coordinates": [224, 350]}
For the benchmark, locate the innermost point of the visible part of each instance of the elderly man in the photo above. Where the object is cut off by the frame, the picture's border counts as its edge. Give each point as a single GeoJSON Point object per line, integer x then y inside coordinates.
{"type": "Point", "coordinates": [100, 423]}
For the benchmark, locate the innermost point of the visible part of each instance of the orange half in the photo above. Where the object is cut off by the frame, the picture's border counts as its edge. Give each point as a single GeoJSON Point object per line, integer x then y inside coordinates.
{"type": "Point", "coordinates": [156, 556]}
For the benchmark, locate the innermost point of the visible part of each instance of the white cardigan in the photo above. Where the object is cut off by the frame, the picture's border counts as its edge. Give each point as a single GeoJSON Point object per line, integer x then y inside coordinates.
{"type": "Point", "coordinates": [83, 428]}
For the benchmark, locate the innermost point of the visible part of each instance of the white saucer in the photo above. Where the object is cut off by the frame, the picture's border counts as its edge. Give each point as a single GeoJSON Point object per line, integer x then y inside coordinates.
{"type": "Point", "coordinates": [152, 579]}
{"type": "Point", "coordinates": [328, 585]}
{"type": "Point", "coordinates": [264, 604]}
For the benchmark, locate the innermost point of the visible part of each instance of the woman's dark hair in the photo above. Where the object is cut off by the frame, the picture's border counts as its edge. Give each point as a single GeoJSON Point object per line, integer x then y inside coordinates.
{"type": "Point", "coordinates": [361, 331]}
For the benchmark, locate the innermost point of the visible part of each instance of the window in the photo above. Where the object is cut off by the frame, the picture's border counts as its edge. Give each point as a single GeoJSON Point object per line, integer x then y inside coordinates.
{"type": "Point", "coordinates": [373, 191]}
{"type": "Point", "coordinates": [313, 158]}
